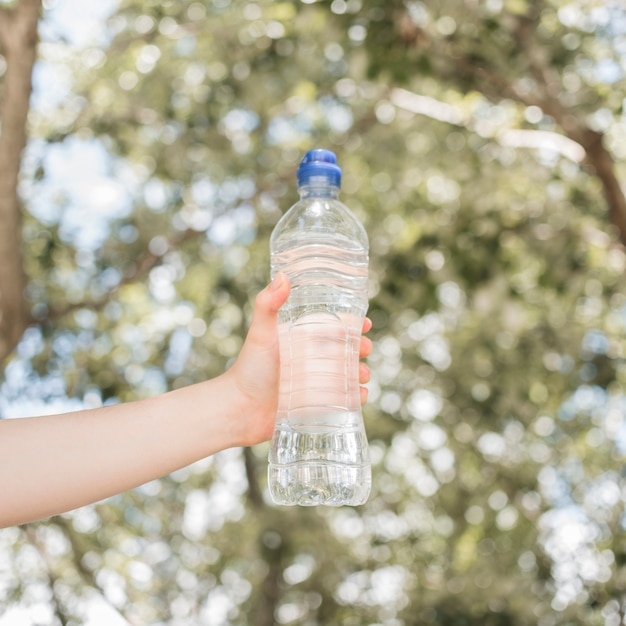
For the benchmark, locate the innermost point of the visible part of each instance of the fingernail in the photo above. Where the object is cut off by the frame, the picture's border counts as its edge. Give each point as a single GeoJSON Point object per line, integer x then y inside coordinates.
{"type": "Point", "coordinates": [277, 282]}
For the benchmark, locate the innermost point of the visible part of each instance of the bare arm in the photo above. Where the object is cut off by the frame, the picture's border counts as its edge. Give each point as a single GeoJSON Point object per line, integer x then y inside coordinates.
{"type": "Point", "coordinates": [55, 463]}
{"type": "Point", "coordinates": [52, 464]}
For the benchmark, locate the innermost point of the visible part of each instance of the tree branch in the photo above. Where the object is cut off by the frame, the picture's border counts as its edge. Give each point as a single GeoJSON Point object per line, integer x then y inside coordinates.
{"type": "Point", "coordinates": [604, 167]}
{"type": "Point", "coordinates": [18, 39]}
{"type": "Point", "coordinates": [597, 156]}
{"type": "Point", "coordinates": [495, 85]}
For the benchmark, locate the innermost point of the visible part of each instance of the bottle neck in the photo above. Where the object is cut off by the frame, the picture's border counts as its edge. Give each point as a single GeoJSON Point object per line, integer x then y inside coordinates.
{"type": "Point", "coordinates": [318, 191]}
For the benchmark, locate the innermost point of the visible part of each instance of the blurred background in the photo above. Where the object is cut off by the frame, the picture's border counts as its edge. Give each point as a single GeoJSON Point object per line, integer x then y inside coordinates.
{"type": "Point", "coordinates": [483, 144]}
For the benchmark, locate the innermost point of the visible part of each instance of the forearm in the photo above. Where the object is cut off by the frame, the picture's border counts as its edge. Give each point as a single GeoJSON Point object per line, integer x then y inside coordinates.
{"type": "Point", "coordinates": [55, 463]}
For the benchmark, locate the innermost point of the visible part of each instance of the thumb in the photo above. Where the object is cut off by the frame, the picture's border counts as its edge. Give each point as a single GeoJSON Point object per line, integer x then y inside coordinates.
{"type": "Point", "coordinates": [266, 305]}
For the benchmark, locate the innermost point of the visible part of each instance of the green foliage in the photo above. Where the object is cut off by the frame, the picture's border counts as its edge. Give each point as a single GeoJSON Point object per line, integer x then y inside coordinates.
{"type": "Point", "coordinates": [497, 297]}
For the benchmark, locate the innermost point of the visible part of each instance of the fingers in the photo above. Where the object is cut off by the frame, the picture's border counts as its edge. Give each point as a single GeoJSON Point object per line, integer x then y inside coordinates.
{"type": "Point", "coordinates": [364, 377]}
{"type": "Point", "coordinates": [364, 374]}
{"type": "Point", "coordinates": [365, 348]}
{"type": "Point", "coordinates": [366, 345]}
{"type": "Point", "coordinates": [367, 325]}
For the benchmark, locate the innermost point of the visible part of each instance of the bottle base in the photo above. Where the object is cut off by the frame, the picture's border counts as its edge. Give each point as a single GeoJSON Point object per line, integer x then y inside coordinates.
{"type": "Point", "coordinates": [314, 483]}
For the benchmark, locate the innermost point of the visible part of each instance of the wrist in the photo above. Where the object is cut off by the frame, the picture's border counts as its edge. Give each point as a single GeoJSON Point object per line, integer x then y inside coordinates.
{"type": "Point", "coordinates": [253, 416]}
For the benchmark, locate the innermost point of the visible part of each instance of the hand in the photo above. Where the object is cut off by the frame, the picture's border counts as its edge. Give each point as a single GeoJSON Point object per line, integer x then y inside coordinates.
{"type": "Point", "coordinates": [256, 372]}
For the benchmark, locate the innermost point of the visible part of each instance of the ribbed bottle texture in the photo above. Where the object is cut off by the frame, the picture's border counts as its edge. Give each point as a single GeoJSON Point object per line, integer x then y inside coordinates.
{"type": "Point", "coordinates": [319, 452]}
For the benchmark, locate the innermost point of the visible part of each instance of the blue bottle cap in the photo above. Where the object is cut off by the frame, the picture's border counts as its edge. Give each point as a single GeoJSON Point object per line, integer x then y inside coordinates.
{"type": "Point", "coordinates": [319, 167]}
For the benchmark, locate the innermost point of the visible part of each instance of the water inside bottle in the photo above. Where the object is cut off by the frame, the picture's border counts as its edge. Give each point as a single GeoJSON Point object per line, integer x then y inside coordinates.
{"type": "Point", "coordinates": [319, 453]}
{"type": "Point", "coordinates": [320, 465]}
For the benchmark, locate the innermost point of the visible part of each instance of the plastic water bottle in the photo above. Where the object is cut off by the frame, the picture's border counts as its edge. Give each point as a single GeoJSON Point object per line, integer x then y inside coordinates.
{"type": "Point", "coordinates": [319, 452]}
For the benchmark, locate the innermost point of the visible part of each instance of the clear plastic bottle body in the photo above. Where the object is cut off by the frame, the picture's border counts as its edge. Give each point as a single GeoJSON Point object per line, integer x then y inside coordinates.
{"type": "Point", "coordinates": [319, 452]}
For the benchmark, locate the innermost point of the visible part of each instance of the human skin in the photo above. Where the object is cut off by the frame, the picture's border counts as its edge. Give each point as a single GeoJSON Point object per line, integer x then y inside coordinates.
{"type": "Point", "coordinates": [55, 463]}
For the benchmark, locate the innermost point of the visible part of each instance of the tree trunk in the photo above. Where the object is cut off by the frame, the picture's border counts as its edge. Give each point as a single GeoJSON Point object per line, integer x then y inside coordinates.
{"type": "Point", "coordinates": [270, 594]}
{"type": "Point", "coordinates": [18, 43]}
